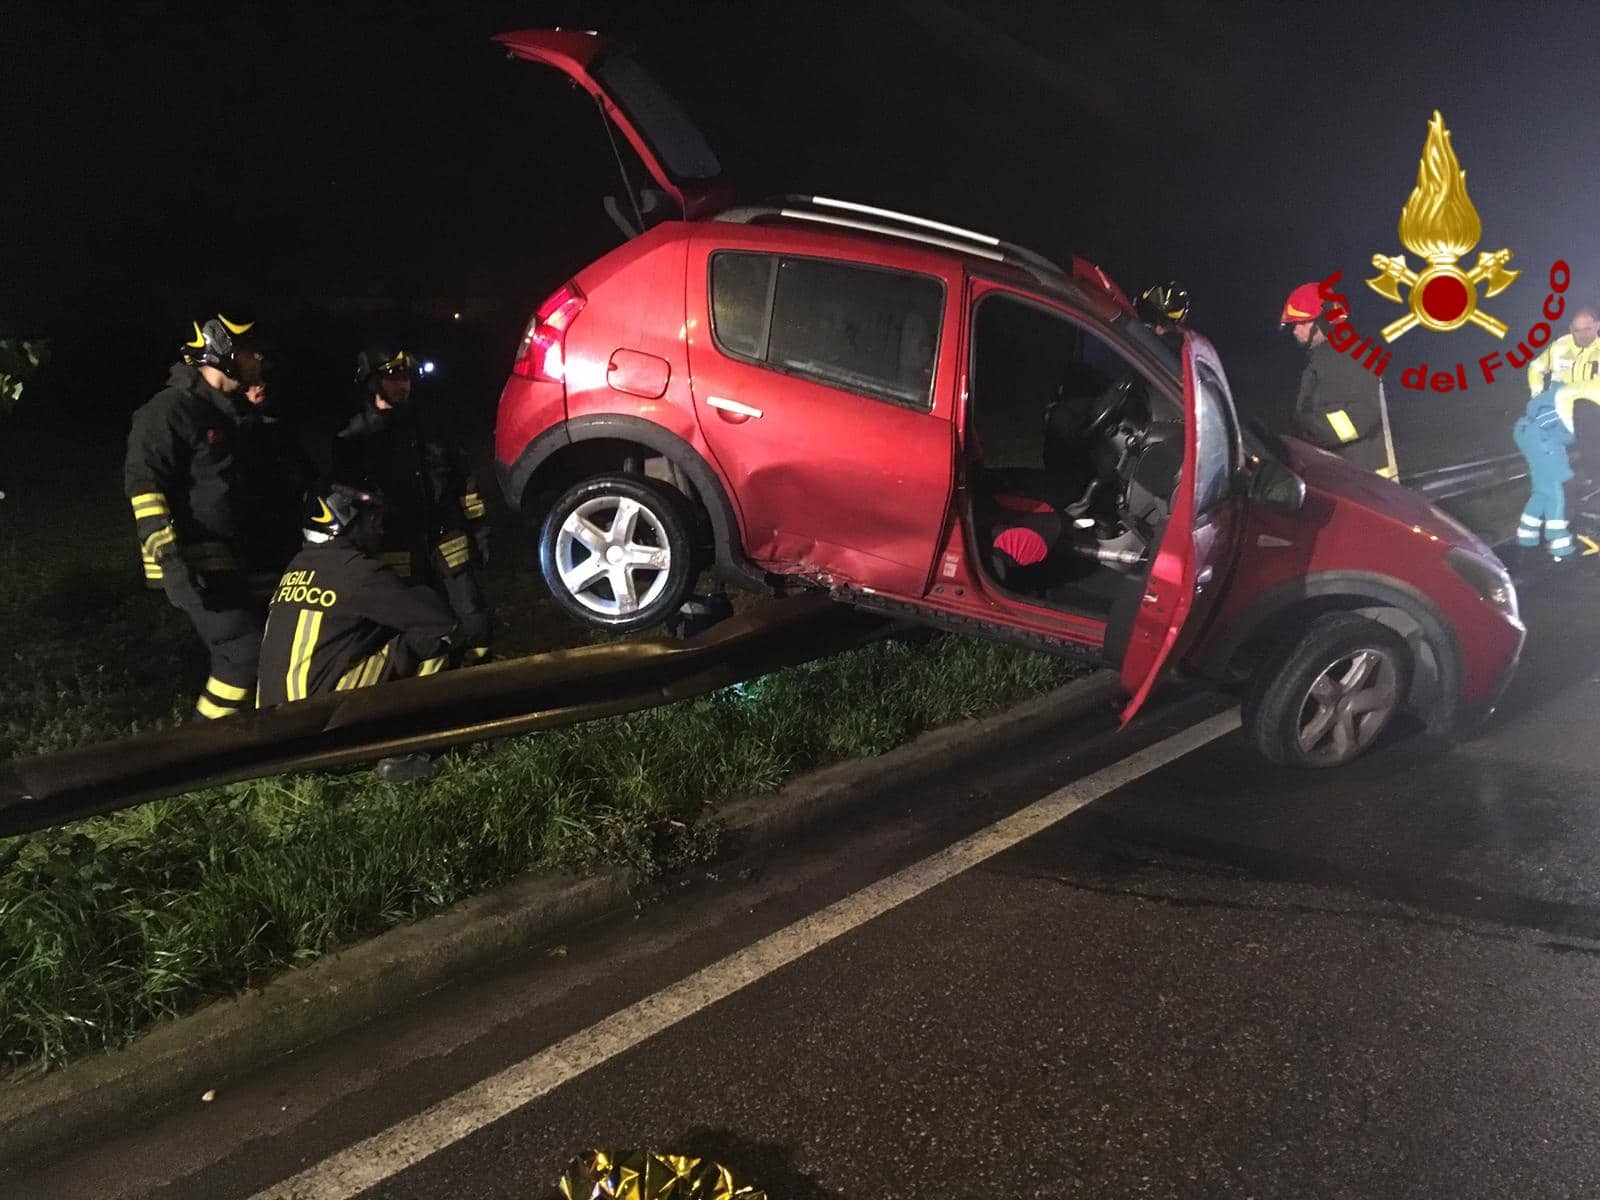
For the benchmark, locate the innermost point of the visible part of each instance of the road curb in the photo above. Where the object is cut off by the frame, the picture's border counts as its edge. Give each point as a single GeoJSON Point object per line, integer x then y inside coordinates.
{"type": "Point", "coordinates": [227, 1038]}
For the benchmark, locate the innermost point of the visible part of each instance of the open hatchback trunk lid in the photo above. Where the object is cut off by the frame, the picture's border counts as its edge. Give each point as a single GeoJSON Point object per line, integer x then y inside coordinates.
{"type": "Point", "coordinates": [669, 144]}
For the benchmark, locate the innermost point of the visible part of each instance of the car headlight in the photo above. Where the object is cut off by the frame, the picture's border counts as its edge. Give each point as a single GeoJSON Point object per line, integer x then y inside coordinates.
{"type": "Point", "coordinates": [1488, 578]}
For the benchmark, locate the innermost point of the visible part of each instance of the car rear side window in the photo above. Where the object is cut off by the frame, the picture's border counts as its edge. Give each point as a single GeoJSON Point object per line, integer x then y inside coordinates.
{"type": "Point", "coordinates": [867, 330]}
{"type": "Point", "coordinates": [741, 301]}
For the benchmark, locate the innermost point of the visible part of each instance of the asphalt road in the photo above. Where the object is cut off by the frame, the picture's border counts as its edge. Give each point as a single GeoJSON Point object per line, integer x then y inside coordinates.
{"type": "Point", "coordinates": [1218, 979]}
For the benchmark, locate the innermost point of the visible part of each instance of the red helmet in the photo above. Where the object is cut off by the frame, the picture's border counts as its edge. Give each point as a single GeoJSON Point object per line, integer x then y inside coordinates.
{"type": "Point", "coordinates": [1304, 304]}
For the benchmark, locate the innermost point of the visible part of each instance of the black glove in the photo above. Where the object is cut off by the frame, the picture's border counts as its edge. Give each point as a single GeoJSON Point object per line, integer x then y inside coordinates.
{"type": "Point", "coordinates": [182, 585]}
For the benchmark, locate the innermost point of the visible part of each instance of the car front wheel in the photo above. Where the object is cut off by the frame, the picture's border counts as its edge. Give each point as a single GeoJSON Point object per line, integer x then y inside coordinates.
{"type": "Point", "coordinates": [1326, 701]}
{"type": "Point", "coordinates": [617, 552]}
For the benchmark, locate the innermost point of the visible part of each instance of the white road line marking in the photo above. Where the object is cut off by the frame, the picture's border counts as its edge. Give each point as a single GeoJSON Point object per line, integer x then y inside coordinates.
{"type": "Point", "coordinates": [386, 1154]}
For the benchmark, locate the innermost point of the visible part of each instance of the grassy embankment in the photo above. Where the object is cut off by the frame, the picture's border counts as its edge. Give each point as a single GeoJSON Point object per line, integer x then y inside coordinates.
{"type": "Point", "coordinates": [119, 921]}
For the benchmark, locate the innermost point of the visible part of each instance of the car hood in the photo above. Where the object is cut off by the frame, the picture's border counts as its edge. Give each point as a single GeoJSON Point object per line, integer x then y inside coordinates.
{"type": "Point", "coordinates": [1351, 486]}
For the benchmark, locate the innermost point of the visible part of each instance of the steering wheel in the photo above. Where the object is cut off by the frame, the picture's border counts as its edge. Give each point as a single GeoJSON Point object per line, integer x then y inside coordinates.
{"type": "Point", "coordinates": [1111, 406]}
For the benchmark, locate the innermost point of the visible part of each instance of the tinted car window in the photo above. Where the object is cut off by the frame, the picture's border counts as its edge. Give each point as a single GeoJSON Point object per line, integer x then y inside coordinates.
{"type": "Point", "coordinates": [867, 330]}
{"type": "Point", "coordinates": [741, 299]}
{"type": "Point", "coordinates": [871, 331]}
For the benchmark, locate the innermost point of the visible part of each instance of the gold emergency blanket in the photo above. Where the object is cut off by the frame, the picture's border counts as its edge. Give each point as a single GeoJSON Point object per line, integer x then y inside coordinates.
{"type": "Point", "coordinates": [648, 1175]}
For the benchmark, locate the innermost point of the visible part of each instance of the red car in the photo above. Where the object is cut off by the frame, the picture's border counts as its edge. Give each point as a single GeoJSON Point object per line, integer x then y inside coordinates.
{"type": "Point", "coordinates": [932, 423]}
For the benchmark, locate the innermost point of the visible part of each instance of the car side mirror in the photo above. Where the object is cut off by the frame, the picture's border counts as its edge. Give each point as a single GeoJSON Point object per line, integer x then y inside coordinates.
{"type": "Point", "coordinates": [1273, 485]}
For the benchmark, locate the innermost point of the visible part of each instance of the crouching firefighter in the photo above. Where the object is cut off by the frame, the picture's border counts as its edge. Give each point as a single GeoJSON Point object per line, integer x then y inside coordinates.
{"type": "Point", "coordinates": [435, 531]}
{"type": "Point", "coordinates": [180, 477]}
{"type": "Point", "coordinates": [340, 618]}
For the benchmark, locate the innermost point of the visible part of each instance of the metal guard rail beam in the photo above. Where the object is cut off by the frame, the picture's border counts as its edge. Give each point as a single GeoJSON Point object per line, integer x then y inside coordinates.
{"type": "Point", "coordinates": [542, 691]}
{"type": "Point", "coordinates": [1460, 479]}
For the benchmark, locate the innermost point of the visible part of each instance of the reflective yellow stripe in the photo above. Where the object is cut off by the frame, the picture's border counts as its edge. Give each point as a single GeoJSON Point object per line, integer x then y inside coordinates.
{"type": "Point", "coordinates": [210, 710]}
{"type": "Point", "coordinates": [431, 666]}
{"type": "Point", "coordinates": [478, 653]}
{"type": "Point", "coordinates": [225, 691]}
{"type": "Point", "coordinates": [158, 541]}
{"type": "Point", "coordinates": [364, 673]}
{"type": "Point", "coordinates": [454, 551]}
{"type": "Point", "coordinates": [1386, 472]}
{"type": "Point", "coordinates": [375, 665]}
{"type": "Point", "coordinates": [472, 505]}
{"type": "Point", "coordinates": [149, 504]}
{"type": "Point", "coordinates": [1342, 426]}
{"type": "Point", "coordinates": [306, 630]}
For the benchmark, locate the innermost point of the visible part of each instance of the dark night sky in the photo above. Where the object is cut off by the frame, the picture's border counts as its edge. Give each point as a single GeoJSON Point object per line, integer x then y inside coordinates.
{"type": "Point", "coordinates": [161, 156]}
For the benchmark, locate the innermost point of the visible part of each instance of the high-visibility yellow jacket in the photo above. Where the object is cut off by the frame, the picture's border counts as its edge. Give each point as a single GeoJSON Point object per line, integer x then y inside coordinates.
{"type": "Point", "coordinates": [1564, 361]}
{"type": "Point", "coordinates": [1568, 395]}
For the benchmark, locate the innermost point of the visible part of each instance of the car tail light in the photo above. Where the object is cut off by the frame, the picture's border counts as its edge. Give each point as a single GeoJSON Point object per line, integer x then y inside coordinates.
{"type": "Point", "coordinates": [542, 354]}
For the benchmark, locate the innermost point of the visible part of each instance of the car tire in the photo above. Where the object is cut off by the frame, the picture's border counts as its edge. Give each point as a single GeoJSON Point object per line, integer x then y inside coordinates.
{"type": "Point", "coordinates": [1325, 701]}
{"type": "Point", "coordinates": [618, 552]}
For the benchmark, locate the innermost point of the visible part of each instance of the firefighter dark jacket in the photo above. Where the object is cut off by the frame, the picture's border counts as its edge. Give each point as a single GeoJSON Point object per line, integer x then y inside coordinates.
{"type": "Point", "coordinates": [1338, 401]}
{"type": "Point", "coordinates": [188, 451]}
{"type": "Point", "coordinates": [409, 455]}
{"type": "Point", "coordinates": [340, 619]}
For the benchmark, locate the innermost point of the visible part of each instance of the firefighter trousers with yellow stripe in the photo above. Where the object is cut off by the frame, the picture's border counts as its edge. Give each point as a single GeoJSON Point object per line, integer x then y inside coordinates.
{"type": "Point", "coordinates": [229, 623]}
{"type": "Point", "coordinates": [392, 660]}
{"type": "Point", "coordinates": [450, 569]}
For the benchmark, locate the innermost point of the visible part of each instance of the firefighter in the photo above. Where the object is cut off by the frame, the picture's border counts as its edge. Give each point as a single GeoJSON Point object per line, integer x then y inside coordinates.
{"type": "Point", "coordinates": [1340, 404]}
{"type": "Point", "coordinates": [181, 478]}
{"type": "Point", "coordinates": [1543, 438]}
{"type": "Point", "coordinates": [434, 516]}
{"type": "Point", "coordinates": [339, 617]}
{"type": "Point", "coordinates": [1163, 306]}
{"type": "Point", "coordinates": [275, 472]}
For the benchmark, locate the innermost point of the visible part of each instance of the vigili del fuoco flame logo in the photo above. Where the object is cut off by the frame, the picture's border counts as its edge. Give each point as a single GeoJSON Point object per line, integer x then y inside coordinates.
{"type": "Point", "coordinates": [1439, 224]}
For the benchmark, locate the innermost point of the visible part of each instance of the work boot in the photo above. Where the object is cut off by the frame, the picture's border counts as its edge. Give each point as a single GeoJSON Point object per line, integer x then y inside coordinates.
{"type": "Point", "coordinates": [406, 768]}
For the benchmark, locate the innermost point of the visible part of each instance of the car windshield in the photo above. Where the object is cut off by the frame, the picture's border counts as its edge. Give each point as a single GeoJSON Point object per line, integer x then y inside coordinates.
{"type": "Point", "coordinates": [1157, 347]}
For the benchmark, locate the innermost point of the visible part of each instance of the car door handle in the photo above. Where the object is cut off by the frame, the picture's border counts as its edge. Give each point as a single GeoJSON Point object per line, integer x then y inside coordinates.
{"type": "Point", "coordinates": [1205, 575]}
{"type": "Point", "coordinates": [733, 406]}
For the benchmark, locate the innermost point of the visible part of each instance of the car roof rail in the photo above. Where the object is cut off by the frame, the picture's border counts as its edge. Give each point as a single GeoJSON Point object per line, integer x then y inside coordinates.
{"type": "Point", "coordinates": [824, 210]}
{"type": "Point", "coordinates": [1013, 252]}
{"type": "Point", "coordinates": [749, 213]}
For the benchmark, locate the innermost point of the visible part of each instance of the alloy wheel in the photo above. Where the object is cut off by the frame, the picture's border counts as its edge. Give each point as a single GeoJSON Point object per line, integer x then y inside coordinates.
{"type": "Point", "coordinates": [613, 555]}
